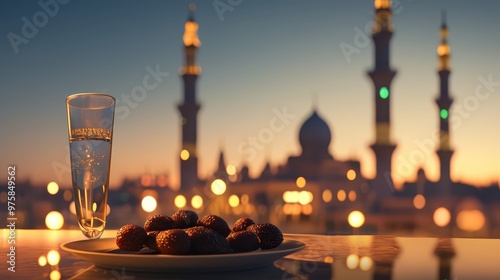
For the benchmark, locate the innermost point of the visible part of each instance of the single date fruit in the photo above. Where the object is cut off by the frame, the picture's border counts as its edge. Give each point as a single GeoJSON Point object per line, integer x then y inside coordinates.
{"type": "Point", "coordinates": [243, 241]}
{"type": "Point", "coordinates": [130, 237]}
{"type": "Point", "coordinates": [185, 219]}
{"type": "Point", "coordinates": [216, 223]}
{"type": "Point", "coordinates": [242, 224]}
{"type": "Point", "coordinates": [207, 241]}
{"type": "Point", "coordinates": [173, 241]}
{"type": "Point", "coordinates": [159, 222]}
{"type": "Point", "coordinates": [269, 235]}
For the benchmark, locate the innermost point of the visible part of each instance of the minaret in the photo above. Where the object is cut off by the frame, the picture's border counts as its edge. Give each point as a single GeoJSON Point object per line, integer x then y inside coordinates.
{"type": "Point", "coordinates": [382, 77]}
{"type": "Point", "coordinates": [444, 101]}
{"type": "Point", "coordinates": [189, 108]}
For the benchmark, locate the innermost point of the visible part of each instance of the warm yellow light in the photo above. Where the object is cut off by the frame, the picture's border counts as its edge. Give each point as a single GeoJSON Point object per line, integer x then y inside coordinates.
{"type": "Point", "coordinates": [470, 220]}
{"type": "Point", "coordinates": [352, 261]}
{"type": "Point", "coordinates": [52, 188]}
{"type": "Point", "coordinates": [94, 206]}
{"type": "Point", "coordinates": [341, 195]}
{"type": "Point", "coordinates": [287, 209]}
{"type": "Point", "coordinates": [443, 49]}
{"type": "Point", "coordinates": [230, 169]}
{"type": "Point", "coordinates": [108, 209]}
{"type": "Point", "coordinates": [53, 257]}
{"type": "Point", "coordinates": [67, 195]}
{"type": "Point", "coordinates": [234, 201]}
{"type": "Point", "coordinates": [328, 259]}
{"type": "Point", "coordinates": [305, 197]}
{"type": "Point", "coordinates": [356, 219]}
{"type": "Point", "coordinates": [72, 208]}
{"type": "Point", "coordinates": [54, 220]}
{"type": "Point", "coordinates": [352, 195]}
{"type": "Point", "coordinates": [218, 187]}
{"type": "Point", "coordinates": [382, 4]}
{"type": "Point", "coordinates": [351, 175]}
{"type": "Point", "coordinates": [55, 275]}
{"type": "Point", "coordinates": [148, 204]}
{"type": "Point", "coordinates": [184, 154]}
{"type": "Point", "coordinates": [300, 182]}
{"type": "Point", "coordinates": [245, 199]}
{"type": "Point", "coordinates": [442, 217]}
{"type": "Point", "coordinates": [190, 37]}
{"type": "Point", "coordinates": [327, 196]}
{"type": "Point", "coordinates": [365, 263]}
{"type": "Point", "coordinates": [180, 201]}
{"type": "Point", "coordinates": [296, 209]}
{"type": "Point", "coordinates": [42, 261]}
{"type": "Point", "coordinates": [419, 201]}
{"type": "Point", "coordinates": [197, 202]}
{"type": "Point", "coordinates": [307, 209]}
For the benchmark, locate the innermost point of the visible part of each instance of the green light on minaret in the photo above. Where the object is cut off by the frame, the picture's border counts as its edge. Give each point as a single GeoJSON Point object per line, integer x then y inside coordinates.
{"type": "Point", "coordinates": [443, 114]}
{"type": "Point", "coordinates": [383, 92]}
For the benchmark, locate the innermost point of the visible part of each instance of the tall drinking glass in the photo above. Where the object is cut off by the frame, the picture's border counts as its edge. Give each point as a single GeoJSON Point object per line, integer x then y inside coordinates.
{"type": "Point", "coordinates": [90, 124]}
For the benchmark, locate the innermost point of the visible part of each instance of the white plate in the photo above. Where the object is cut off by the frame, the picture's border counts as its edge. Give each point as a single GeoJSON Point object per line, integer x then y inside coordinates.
{"type": "Point", "coordinates": [104, 253]}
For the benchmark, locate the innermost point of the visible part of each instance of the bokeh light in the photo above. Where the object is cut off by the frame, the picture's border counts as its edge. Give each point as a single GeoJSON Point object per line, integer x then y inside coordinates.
{"type": "Point", "coordinates": [327, 196]}
{"type": "Point", "coordinates": [54, 220]}
{"type": "Point", "coordinates": [230, 169]}
{"type": "Point", "coordinates": [365, 263]}
{"type": "Point", "coordinates": [351, 175]}
{"type": "Point", "coordinates": [300, 182]}
{"type": "Point", "coordinates": [441, 217]}
{"type": "Point", "coordinates": [72, 208]}
{"type": "Point", "coordinates": [356, 219]}
{"type": "Point", "coordinates": [419, 201]}
{"type": "Point", "coordinates": [470, 220]}
{"type": "Point", "coordinates": [218, 187]}
{"type": "Point", "coordinates": [352, 261]}
{"type": "Point", "coordinates": [53, 257]}
{"type": "Point", "coordinates": [148, 204]}
{"type": "Point", "coordinates": [180, 201]}
{"type": "Point", "coordinates": [328, 259]}
{"type": "Point", "coordinates": [184, 154]}
{"type": "Point", "coordinates": [55, 275]}
{"type": "Point", "coordinates": [197, 202]}
{"type": "Point", "coordinates": [341, 195]}
{"type": "Point", "coordinates": [307, 209]}
{"type": "Point", "coordinates": [52, 188]}
{"type": "Point", "coordinates": [352, 195]}
{"type": "Point", "coordinates": [42, 261]}
{"type": "Point", "coordinates": [305, 197]}
{"type": "Point", "coordinates": [234, 201]}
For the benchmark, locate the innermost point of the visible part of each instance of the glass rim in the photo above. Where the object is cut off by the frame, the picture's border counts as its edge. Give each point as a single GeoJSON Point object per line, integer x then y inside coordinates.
{"type": "Point", "coordinates": [83, 94]}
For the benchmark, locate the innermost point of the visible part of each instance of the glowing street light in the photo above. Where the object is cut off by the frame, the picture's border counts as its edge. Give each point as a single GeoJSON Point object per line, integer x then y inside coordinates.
{"type": "Point", "coordinates": [356, 219]}
{"type": "Point", "coordinates": [218, 187]}
{"type": "Point", "coordinates": [442, 217]}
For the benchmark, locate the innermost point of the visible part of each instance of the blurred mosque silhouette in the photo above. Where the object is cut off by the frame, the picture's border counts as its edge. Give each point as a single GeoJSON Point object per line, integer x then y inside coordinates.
{"type": "Point", "coordinates": [318, 191]}
{"type": "Point", "coordinates": [313, 191]}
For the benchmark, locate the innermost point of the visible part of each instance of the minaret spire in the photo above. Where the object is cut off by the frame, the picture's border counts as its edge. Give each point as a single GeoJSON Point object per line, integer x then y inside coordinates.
{"type": "Point", "coordinates": [382, 76]}
{"type": "Point", "coordinates": [190, 107]}
{"type": "Point", "coordinates": [444, 102]}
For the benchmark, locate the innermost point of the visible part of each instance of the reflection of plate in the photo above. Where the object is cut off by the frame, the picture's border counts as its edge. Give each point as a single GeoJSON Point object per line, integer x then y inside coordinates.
{"type": "Point", "coordinates": [104, 253]}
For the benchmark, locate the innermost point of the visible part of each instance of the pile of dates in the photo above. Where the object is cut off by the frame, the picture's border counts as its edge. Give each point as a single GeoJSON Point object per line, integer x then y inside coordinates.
{"type": "Point", "coordinates": [185, 233]}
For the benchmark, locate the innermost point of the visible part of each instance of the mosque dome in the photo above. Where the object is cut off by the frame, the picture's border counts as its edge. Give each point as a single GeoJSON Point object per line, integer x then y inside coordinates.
{"type": "Point", "coordinates": [315, 137]}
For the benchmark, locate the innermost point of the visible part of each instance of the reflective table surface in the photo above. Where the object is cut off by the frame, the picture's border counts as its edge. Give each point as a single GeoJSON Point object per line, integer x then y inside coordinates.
{"type": "Point", "coordinates": [38, 256]}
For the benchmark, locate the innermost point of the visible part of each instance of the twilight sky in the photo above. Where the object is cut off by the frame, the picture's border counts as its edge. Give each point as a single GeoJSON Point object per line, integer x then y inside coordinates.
{"type": "Point", "coordinates": [257, 58]}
